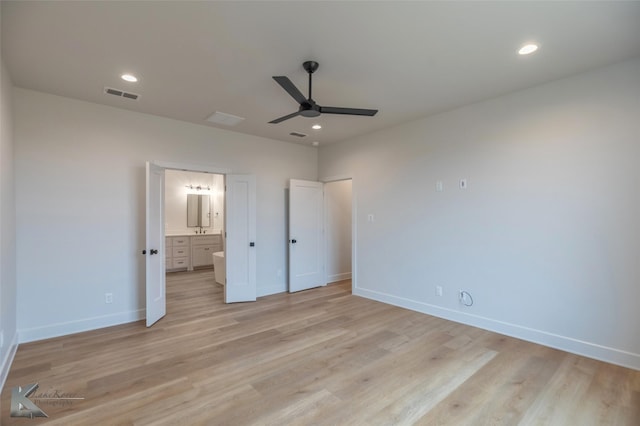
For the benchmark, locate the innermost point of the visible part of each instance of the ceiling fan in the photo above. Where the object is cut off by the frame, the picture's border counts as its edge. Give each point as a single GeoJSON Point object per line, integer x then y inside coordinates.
{"type": "Point", "coordinates": [309, 107]}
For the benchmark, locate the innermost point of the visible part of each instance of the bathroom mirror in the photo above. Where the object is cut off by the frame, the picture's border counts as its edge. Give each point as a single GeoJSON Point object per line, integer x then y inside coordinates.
{"type": "Point", "coordinates": [198, 211]}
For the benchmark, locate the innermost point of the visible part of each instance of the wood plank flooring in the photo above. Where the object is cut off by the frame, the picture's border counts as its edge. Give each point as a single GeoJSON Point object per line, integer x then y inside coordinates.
{"type": "Point", "coordinates": [319, 357]}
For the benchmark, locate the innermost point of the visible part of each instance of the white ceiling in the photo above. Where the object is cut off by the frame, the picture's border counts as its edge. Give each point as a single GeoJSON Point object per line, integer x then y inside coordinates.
{"type": "Point", "coordinates": [407, 59]}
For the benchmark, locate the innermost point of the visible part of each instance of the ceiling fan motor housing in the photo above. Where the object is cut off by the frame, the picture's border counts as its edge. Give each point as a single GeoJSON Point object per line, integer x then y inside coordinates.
{"type": "Point", "coordinates": [308, 107]}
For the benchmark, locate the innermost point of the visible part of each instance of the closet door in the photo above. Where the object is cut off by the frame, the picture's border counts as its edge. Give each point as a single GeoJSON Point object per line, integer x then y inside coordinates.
{"type": "Point", "coordinates": [240, 228]}
{"type": "Point", "coordinates": [154, 245]}
{"type": "Point", "coordinates": [306, 237]}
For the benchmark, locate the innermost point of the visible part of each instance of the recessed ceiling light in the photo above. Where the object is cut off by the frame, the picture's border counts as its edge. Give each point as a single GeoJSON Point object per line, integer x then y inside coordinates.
{"type": "Point", "coordinates": [315, 143]}
{"type": "Point", "coordinates": [129, 77]}
{"type": "Point", "coordinates": [316, 127]}
{"type": "Point", "coordinates": [528, 48]}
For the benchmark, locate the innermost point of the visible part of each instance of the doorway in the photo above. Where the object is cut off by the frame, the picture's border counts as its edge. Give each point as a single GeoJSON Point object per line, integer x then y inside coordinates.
{"type": "Point", "coordinates": [322, 232]}
{"type": "Point", "coordinates": [239, 228]}
{"type": "Point", "coordinates": [194, 217]}
{"type": "Point", "coordinates": [338, 195]}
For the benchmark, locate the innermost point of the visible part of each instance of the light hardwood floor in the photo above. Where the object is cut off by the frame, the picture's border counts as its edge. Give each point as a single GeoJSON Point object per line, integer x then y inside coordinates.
{"type": "Point", "coordinates": [321, 357]}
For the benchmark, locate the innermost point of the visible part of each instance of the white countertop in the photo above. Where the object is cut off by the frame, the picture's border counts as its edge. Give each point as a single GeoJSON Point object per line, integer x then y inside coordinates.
{"type": "Point", "coordinates": [193, 234]}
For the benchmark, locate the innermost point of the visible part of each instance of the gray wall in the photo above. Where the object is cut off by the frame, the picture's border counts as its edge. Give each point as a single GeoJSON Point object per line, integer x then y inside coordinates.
{"type": "Point", "coordinates": [7, 228]}
{"type": "Point", "coordinates": [546, 237]}
{"type": "Point", "coordinates": [80, 205]}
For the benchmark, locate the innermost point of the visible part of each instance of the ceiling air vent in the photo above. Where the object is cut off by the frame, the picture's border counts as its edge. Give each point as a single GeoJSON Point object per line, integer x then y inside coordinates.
{"type": "Point", "coordinates": [300, 135]}
{"type": "Point", "coordinates": [121, 93]}
{"type": "Point", "coordinates": [224, 119]}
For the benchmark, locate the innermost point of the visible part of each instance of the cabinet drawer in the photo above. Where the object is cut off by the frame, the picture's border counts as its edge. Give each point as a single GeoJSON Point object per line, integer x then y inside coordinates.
{"type": "Point", "coordinates": [180, 241]}
{"type": "Point", "coordinates": [180, 262]}
{"type": "Point", "coordinates": [205, 240]}
{"type": "Point", "coordinates": [180, 251]}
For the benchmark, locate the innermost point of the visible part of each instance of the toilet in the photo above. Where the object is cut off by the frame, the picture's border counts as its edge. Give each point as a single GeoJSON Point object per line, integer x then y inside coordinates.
{"type": "Point", "coordinates": [219, 267]}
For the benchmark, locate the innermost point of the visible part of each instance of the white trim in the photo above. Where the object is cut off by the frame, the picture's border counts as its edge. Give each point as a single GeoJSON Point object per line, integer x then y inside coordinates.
{"type": "Point", "coordinates": [87, 324]}
{"type": "Point", "coordinates": [568, 344]}
{"type": "Point", "coordinates": [338, 277]}
{"type": "Point", "coordinates": [190, 167]}
{"type": "Point", "coordinates": [336, 178]}
{"type": "Point", "coordinates": [8, 360]}
{"type": "Point", "coordinates": [354, 225]}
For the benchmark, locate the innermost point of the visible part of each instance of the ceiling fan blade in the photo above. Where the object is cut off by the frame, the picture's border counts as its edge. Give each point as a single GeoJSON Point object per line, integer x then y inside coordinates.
{"type": "Point", "coordinates": [286, 117]}
{"type": "Point", "coordinates": [348, 111]}
{"type": "Point", "coordinates": [290, 88]}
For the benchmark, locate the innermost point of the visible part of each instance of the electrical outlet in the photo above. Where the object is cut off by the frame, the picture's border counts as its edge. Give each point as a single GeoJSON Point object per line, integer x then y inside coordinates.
{"type": "Point", "coordinates": [463, 184]}
{"type": "Point", "coordinates": [108, 298]}
{"type": "Point", "coordinates": [370, 218]}
{"type": "Point", "coordinates": [439, 290]}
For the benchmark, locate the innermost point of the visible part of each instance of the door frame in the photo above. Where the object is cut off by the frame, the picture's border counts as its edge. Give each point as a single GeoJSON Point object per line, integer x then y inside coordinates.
{"type": "Point", "coordinates": [300, 223]}
{"type": "Point", "coordinates": [354, 225]}
{"type": "Point", "coordinates": [185, 167]}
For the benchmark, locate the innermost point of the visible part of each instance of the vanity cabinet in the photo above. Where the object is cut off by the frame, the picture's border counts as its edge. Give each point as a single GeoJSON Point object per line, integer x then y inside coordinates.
{"type": "Point", "coordinates": [177, 253]}
{"type": "Point", "coordinates": [188, 252]}
{"type": "Point", "coordinates": [202, 246]}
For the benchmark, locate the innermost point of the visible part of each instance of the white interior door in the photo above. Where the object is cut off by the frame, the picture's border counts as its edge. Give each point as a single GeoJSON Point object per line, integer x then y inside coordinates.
{"type": "Point", "coordinates": [306, 242]}
{"type": "Point", "coordinates": [240, 251]}
{"type": "Point", "coordinates": [154, 248]}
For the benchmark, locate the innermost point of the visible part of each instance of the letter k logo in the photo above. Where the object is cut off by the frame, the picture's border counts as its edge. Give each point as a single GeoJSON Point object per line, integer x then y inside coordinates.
{"type": "Point", "coordinates": [21, 405]}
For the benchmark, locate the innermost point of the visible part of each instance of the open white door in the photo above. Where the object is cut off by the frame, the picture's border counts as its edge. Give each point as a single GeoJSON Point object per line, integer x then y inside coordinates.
{"type": "Point", "coordinates": [240, 251]}
{"type": "Point", "coordinates": [154, 248]}
{"type": "Point", "coordinates": [306, 242]}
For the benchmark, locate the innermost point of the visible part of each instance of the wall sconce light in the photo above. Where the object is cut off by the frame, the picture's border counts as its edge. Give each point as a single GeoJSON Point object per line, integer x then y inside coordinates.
{"type": "Point", "coordinates": [199, 187]}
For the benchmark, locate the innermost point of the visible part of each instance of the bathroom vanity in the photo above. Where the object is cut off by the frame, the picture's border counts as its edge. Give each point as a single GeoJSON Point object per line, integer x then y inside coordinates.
{"type": "Point", "coordinates": [186, 252]}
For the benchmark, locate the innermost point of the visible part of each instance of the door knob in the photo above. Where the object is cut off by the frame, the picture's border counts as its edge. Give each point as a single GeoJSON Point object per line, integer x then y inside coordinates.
{"type": "Point", "coordinates": [153, 251]}
{"type": "Point", "coordinates": [294, 241]}
{"type": "Point", "coordinates": [144, 252]}
{"type": "Point", "coordinates": [252, 244]}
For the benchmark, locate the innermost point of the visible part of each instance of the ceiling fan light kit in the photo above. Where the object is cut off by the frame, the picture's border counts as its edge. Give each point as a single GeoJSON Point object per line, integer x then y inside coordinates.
{"type": "Point", "coordinates": [308, 107]}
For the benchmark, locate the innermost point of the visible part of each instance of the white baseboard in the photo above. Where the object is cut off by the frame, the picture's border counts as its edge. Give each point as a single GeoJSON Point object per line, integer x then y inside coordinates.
{"type": "Point", "coordinates": [568, 344]}
{"type": "Point", "coordinates": [338, 277]}
{"type": "Point", "coordinates": [87, 324]}
{"type": "Point", "coordinates": [8, 360]}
